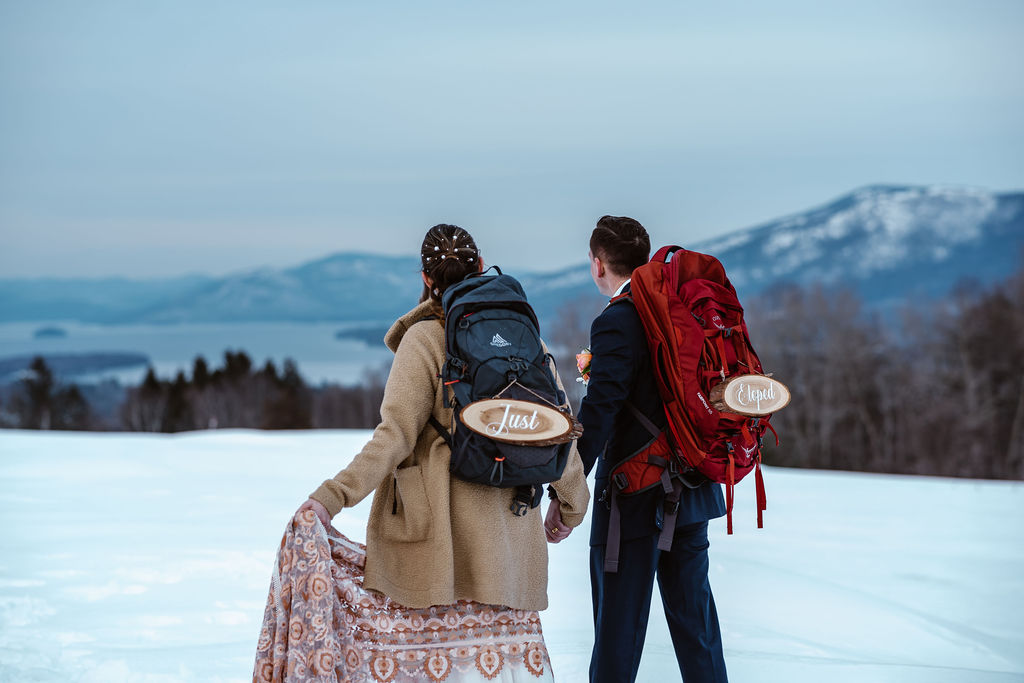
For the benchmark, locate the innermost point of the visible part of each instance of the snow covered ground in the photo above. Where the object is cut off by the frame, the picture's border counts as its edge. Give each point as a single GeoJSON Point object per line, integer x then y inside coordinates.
{"type": "Point", "coordinates": [148, 558]}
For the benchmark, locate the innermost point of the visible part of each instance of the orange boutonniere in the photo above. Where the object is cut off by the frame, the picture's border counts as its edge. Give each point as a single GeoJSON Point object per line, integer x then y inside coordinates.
{"type": "Point", "coordinates": [583, 359]}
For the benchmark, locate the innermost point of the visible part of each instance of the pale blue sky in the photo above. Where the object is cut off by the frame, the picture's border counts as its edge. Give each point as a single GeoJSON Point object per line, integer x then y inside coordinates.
{"type": "Point", "coordinates": [156, 138]}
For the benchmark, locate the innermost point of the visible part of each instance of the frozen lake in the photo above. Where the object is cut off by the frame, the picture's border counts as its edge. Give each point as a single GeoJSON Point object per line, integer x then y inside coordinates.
{"type": "Point", "coordinates": [321, 357]}
{"type": "Point", "coordinates": [147, 558]}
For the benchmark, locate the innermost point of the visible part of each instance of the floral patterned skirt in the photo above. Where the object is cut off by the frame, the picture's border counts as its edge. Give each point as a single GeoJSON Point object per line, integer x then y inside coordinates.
{"type": "Point", "coordinates": [321, 624]}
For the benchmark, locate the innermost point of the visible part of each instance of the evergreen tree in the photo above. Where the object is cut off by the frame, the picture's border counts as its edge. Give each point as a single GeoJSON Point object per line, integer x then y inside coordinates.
{"type": "Point", "coordinates": [292, 406]}
{"type": "Point", "coordinates": [237, 365]}
{"type": "Point", "coordinates": [71, 410]}
{"type": "Point", "coordinates": [270, 372]}
{"type": "Point", "coordinates": [200, 373]}
{"type": "Point", "coordinates": [36, 406]}
{"type": "Point", "coordinates": [178, 410]}
{"type": "Point", "coordinates": [150, 384]}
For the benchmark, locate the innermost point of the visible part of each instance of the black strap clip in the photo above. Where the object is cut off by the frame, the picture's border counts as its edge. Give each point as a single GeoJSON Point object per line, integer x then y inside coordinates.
{"type": "Point", "coordinates": [519, 508]}
{"type": "Point", "coordinates": [526, 498]}
{"type": "Point", "coordinates": [671, 506]}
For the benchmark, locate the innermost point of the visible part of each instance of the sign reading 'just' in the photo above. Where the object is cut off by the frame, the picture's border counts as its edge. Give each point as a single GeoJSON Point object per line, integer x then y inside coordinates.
{"type": "Point", "coordinates": [515, 421]}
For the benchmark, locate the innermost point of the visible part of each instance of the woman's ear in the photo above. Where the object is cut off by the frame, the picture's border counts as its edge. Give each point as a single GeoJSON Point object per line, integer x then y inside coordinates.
{"type": "Point", "coordinates": [426, 280]}
{"type": "Point", "coordinates": [479, 265]}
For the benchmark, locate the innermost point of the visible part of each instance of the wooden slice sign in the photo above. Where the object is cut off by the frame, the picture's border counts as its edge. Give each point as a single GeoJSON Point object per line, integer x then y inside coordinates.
{"type": "Point", "coordinates": [751, 395]}
{"type": "Point", "coordinates": [520, 422]}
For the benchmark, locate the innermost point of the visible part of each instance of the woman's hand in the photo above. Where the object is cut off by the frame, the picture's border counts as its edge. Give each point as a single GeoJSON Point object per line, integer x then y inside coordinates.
{"type": "Point", "coordinates": [555, 530]}
{"type": "Point", "coordinates": [318, 509]}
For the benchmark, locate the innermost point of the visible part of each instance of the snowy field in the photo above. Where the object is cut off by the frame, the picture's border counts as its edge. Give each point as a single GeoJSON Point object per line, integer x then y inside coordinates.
{"type": "Point", "coordinates": [148, 558]}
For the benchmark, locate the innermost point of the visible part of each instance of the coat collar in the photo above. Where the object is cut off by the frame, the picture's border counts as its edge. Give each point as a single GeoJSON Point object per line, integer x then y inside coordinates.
{"type": "Point", "coordinates": [426, 309]}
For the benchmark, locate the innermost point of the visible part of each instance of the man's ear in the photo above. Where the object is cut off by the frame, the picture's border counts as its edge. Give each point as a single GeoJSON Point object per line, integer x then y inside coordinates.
{"type": "Point", "coordinates": [600, 266]}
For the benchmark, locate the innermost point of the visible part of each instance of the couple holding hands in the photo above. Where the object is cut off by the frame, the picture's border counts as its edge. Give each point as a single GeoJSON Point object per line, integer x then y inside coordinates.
{"type": "Point", "coordinates": [449, 584]}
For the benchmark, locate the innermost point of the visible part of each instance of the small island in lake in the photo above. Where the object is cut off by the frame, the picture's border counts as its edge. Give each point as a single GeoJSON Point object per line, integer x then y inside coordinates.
{"type": "Point", "coordinates": [50, 333]}
{"type": "Point", "coordinates": [371, 336]}
{"type": "Point", "coordinates": [73, 364]}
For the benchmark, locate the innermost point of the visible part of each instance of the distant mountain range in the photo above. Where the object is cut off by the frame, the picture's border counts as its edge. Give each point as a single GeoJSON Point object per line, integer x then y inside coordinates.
{"type": "Point", "coordinates": [886, 242]}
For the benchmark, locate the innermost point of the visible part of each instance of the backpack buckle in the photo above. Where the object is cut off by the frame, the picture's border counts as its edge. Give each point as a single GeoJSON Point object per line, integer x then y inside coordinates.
{"type": "Point", "coordinates": [519, 508]}
{"type": "Point", "coordinates": [671, 507]}
{"type": "Point", "coordinates": [621, 481]}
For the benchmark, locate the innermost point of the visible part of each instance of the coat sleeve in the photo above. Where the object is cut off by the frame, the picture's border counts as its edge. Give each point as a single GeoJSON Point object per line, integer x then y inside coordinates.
{"type": "Point", "coordinates": [611, 376]}
{"type": "Point", "coordinates": [571, 488]}
{"type": "Point", "coordinates": [408, 401]}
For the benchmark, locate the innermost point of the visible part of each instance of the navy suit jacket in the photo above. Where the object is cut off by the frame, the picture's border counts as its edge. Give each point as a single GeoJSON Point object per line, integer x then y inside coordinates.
{"type": "Point", "coordinates": [621, 370]}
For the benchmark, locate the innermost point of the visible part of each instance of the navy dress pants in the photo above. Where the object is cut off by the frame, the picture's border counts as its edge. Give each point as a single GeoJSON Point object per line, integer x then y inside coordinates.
{"type": "Point", "coordinates": [622, 604]}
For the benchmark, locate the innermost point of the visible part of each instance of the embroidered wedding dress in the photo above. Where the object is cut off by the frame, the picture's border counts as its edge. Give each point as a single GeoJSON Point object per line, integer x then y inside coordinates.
{"type": "Point", "coordinates": [320, 624]}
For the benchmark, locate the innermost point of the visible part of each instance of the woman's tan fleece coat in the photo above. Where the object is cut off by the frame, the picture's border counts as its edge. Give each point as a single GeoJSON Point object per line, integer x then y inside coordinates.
{"type": "Point", "coordinates": [432, 539]}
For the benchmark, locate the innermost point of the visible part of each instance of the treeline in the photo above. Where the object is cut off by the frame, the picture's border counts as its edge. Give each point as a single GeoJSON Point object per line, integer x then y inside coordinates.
{"type": "Point", "coordinates": [237, 395]}
{"type": "Point", "coordinates": [234, 395]}
{"type": "Point", "coordinates": [40, 402]}
{"type": "Point", "coordinates": [937, 391]}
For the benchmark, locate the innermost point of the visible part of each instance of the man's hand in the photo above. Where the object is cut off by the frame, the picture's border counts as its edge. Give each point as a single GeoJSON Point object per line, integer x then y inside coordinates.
{"type": "Point", "coordinates": [318, 509]}
{"type": "Point", "coordinates": [555, 530]}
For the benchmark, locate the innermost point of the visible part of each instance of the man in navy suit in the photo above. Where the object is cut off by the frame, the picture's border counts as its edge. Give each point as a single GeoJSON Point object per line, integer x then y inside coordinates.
{"type": "Point", "coordinates": [621, 374]}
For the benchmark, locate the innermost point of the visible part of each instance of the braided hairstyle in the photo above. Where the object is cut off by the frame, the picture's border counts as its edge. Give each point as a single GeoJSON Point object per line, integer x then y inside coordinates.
{"type": "Point", "coordinates": [447, 256]}
{"type": "Point", "coordinates": [621, 243]}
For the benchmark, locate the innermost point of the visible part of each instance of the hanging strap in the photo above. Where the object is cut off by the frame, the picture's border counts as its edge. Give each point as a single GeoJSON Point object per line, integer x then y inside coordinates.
{"type": "Point", "coordinates": [445, 434]}
{"type": "Point", "coordinates": [762, 500]}
{"type": "Point", "coordinates": [671, 507]}
{"type": "Point", "coordinates": [611, 549]}
{"type": "Point", "coordinates": [730, 489]}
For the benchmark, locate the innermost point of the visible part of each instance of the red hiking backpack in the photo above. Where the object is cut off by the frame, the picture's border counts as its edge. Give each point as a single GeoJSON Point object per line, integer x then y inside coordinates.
{"type": "Point", "coordinates": [698, 340]}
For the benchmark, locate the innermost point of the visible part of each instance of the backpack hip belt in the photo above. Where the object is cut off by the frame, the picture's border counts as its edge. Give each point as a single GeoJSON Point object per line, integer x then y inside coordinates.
{"type": "Point", "coordinates": [657, 463]}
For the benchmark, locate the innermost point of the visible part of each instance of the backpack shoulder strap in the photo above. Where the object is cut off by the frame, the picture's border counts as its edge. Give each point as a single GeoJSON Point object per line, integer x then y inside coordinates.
{"type": "Point", "coordinates": [440, 428]}
{"type": "Point", "coordinates": [625, 296]}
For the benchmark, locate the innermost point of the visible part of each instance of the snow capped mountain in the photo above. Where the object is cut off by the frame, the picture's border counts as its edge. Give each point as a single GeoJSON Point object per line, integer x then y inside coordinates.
{"type": "Point", "coordinates": [886, 242]}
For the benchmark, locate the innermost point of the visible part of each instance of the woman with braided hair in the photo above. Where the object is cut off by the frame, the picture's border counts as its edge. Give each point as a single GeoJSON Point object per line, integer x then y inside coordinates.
{"type": "Point", "coordinates": [449, 584]}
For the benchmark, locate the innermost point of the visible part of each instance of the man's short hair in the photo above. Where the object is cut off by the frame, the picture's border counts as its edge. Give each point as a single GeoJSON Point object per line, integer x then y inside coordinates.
{"type": "Point", "coordinates": [621, 243]}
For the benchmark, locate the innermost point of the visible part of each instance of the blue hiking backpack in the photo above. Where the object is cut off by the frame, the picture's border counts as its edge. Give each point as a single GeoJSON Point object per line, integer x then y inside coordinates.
{"type": "Point", "coordinates": [493, 349]}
